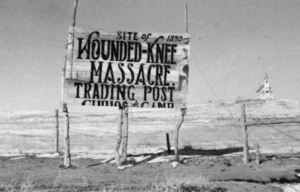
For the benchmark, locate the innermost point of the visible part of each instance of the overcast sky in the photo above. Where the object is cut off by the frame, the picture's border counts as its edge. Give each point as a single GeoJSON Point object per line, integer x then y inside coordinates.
{"type": "Point", "coordinates": [233, 44]}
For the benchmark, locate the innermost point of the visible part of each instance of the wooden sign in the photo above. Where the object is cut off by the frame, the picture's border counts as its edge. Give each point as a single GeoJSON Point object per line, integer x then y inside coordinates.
{"type": "Point", "coordinates": [122, 68]}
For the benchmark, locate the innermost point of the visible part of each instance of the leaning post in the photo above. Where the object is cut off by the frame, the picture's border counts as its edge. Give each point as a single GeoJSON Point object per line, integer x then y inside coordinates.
{"type": "Point", "coordinates": [168, 144]}
{"type": "Point", "coordinates": [119, 136]}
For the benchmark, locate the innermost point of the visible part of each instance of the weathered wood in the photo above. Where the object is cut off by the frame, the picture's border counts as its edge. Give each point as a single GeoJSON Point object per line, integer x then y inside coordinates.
{"type": "Point", "coordinates": [246, 146]}
{"type": "Point", "coordinates": [124, 136]}
{"type": "Point", "coordinates": [245, 134]}
{"type": "Point", "coordinates": [111, 35]}
{"type": "Point", "coordinates": [269, 122]}
{"type": "Point", "coordinates": [70, 45]}
{"type": "Point", "coordinates": [57, 131]}
{"type": "Point", "coordinates": [74, 13]}
{"type": "Point", "coordinates": [82, 70]}
{"type": "Point", "coordinates": [108, 90]}
{"type": "Point", "coordinates": [73, 36]}
{"type": "Point", "coordinates": [186, 19]}
{"type": "Point", "coordinates": [144, 68]}
{"type": "Point", "coordinates": [63, 84]}
{"type": "Point", "coordinates": [168, 144]}
{"type": "Point", "coordinates": [177, 127]}
{"type": "Point", "coordinates": [257, 154]}
{"type": "Point", "coordinates": [119, 137]}
{"type": "Point", "coordinates": [67, 154]}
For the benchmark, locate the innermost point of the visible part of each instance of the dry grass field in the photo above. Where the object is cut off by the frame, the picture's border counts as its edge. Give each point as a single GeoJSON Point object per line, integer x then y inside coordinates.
{"type": "Point", "coordinates": [207, 126]}
{"type": "Point", "coordinates": [215, 126]}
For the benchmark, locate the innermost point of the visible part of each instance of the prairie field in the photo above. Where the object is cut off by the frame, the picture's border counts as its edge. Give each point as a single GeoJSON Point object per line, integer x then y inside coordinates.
{"type": "Point", "coordinates": [210, 141]}
{"type": "Point", "coordinates": [207, 126]}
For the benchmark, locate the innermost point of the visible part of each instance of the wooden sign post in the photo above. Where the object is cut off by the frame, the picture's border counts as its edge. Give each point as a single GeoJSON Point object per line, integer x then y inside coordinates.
{"type": "Point", "coordinates": [127, 69]}
{"type": "Point", "coordinates": [245, 144]}
{"type": "Point", "coordinates": [178, 125]}
{"type": "Point", "coordinates": [168, 144]}
{"type": "Point", "coordinates": [124, 136]}
{"type": "Point", "coordinates": [119, 137]}
{"type": "Point", "coordinates": [183, 110]}
{"type": "Point", "coordinates": [67, 154]}
{"type": "Point", "coordinates": [57, 131]}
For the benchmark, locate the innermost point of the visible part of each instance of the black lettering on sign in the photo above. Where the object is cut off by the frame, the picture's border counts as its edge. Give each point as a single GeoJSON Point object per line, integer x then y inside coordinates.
{"type": "Point", "coordinates": [105, 53]}
{"type": "Point", "coordinates": [164, 96]}
{"type": "Point", "coordinates": [114, 51]}
{"type": "Point", "coordinates": [77, 89]}
{"type": "Point", "coordinates": [84, 102]}
{"type": "Point", "coordinates": [144, 103]}
{"type": "Point", "coordinates": [106, 88]}
{"type": "Point", "coordinates": [141, 76]}
{"type": "Point", "coordinates": [109, 74]}
{"type": "Point", "coordinates": [122, 51]}
{"type": "Point", "coordinates": [171, 89]}
{"type": "Point", "coordinates": [130, 48]}
{"type": "Point", "coordinates": [147, 89]}
{"type": "Point", "coordinates": [95, 49]}
{"type": "Point", "coordinates": [149, 75]}
{"type": "Point", "coordinates": [86, 48]}
{"type": "Point", "coordinates": [164, 52]}
{"type": "Point", "coordinates": [96, 92]}
{"type": "Point", "coordinates": [112, 87]}
{"type": "Point", "coordinates": [96, 72]}
{"type": "Point", "coordinates": [129, 94]}
{"type": "Point", "coordinates": [166, 71]}
{"type": "Point", "coordinates": [121, 80]}
{"type": "Point", "coordinates": [121, 92]}
{"type": "Point", "coordinates": [130, 65]}
{"type": "Point", "coordinates": [87, 88]}
{"type": "Point", "coordinates": [159, 74]}
{"type": "Point", "coordinates": [156, 93]}
{"type": "Point", "coordinates": [161, 105]}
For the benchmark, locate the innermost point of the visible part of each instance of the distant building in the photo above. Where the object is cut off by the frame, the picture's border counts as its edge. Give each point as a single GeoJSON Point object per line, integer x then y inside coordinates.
{"type": "Point", "coordinates": [265, 90]}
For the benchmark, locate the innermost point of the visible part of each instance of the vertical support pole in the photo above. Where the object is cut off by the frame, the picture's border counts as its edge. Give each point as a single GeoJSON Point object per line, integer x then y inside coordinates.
{"type": "Point", "coordinates": [119, 136]}
{"type": "Point", "coordinates": [168, 143]}
{"type": "Point", "coordinates": [183, 110]}
{"type": "Point", "coordinates": [73, 25]}
{"type": "Point", "coordinates": [257, 154]}
{"type": "Point", "coordinates": [67, 155]}
{"type": "Point", "coordinates": [57, 132]}
{"type": "Point", "coordinates": [63, 83]}
{"type": "Point", "coordinates": [186, 19]}
{"type": "Point", "coordinates": [245, 145]}
{"type": "Point", "coordinates": [125, 135]}
{"type": "Point", "coordinates": [178, 125]}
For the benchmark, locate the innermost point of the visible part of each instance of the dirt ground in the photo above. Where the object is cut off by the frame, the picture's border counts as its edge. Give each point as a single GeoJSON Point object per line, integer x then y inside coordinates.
{"type": "Point", "coordinates": [227, 172]}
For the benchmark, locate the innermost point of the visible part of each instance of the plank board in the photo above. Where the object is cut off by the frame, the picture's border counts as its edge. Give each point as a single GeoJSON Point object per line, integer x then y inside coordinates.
{"type": "Point", "coordinates": [151, 66]}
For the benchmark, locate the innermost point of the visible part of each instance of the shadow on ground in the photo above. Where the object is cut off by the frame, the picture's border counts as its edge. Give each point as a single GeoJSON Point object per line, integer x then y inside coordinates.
{"type": "Point", "coordinates": [187, 150]}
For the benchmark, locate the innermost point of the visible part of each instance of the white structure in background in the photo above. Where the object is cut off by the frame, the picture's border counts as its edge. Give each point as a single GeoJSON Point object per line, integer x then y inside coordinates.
{"type": "Point", "coordinates": [265, 90]}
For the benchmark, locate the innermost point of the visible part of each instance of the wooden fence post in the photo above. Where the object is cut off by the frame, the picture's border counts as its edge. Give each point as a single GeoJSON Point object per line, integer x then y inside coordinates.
{"type": "Point", "coordinates": [125, 135]}
{"type": "Point", "coordinates": [168, 143]}
{"type": "Point", "coordinates": [67, 155]}
{"type": "Point", "coordinates": [257, 154]}
{"type": "Point", "coordinates": [245, 145]}
{"type": "Point", "coordinates": [57, 131]}
{"type": "Point", "coordinates": [119, 136]}
{"type": "Point", "coordinates": [178, 125]}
